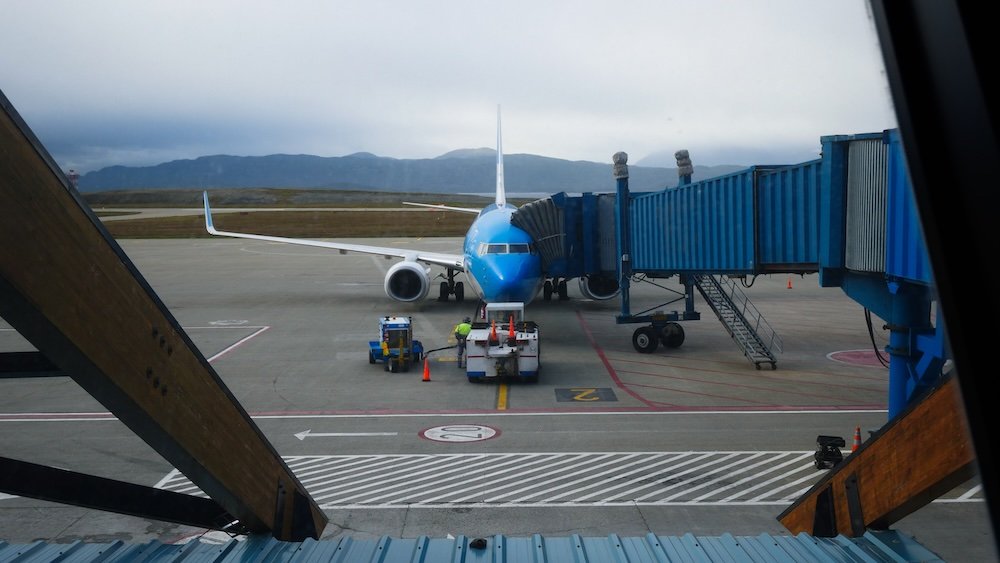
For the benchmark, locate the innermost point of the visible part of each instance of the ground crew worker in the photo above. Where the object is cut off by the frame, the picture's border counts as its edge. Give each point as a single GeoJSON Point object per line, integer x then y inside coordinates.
{"type": "Point", "coordinates": [462, 331]}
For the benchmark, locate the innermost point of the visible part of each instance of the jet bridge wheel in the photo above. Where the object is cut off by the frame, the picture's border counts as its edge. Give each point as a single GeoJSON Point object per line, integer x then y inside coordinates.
{"type": "Point", "coordinates": [645, 340]}
{"type": "Point", "coordinates": [672, 335]}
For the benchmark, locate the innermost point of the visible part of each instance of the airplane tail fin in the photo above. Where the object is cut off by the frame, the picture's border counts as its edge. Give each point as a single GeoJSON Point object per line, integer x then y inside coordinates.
{"type": "Point", "coordinates": [501, 195]}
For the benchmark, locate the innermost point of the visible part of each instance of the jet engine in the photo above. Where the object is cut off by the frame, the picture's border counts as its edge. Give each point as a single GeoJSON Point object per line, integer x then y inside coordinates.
{"type": "Point", "coordinates": [599, 287]}
{"type": "Point", "coordinates": [407, 281]}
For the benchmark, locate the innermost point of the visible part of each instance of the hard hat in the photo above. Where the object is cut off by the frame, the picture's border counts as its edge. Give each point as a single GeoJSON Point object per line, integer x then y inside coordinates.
{"type": "Point", "coordinates": [466, 320]}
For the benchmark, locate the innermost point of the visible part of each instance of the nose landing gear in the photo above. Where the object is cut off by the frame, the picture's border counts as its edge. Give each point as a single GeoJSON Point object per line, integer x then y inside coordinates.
{"type": "Point", "coordinates": [451, 287]}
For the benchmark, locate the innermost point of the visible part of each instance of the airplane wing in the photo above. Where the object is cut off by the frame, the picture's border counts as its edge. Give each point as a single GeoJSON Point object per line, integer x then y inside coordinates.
{"type": "Point", "coordinates": [445, 207]}
{"type": "Point", "coordinates": [453, 261]}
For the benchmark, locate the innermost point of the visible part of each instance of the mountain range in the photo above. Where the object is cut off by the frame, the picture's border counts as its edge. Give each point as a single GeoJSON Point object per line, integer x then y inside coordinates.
{"type": "Point", "coordinates": [459, 171]}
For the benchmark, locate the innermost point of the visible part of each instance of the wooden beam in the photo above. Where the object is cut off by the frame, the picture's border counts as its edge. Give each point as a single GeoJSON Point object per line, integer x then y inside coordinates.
{"type": "Point", "coordinates": [925, 452]}
{"type": "Point", "coordinates": [71, 291]}
{"type": "Point", "coordinates": [32, 480]}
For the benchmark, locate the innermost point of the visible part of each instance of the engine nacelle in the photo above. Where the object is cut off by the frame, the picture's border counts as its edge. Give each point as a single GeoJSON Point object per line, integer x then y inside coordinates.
{"type": "Point", "coordinates": [599, 287]}
{"type": "Point", "coordinates": [407, 281]}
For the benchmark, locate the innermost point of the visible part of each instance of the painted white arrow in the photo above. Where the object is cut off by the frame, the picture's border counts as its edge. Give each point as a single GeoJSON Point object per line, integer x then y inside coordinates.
{"type": "Point", "coordinates": [310, 434]}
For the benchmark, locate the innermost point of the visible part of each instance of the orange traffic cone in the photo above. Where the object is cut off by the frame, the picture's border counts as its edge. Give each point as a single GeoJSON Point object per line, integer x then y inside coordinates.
{"type": "Point", "coordinates": [510, 333]}
{"type": "Point", "coordinates": [427, 369]}
{"type": "Point", "coordinates": [493, 332]}
{"type": "Point", "coordinates": [857, 440]}
{"type": "Point", "coordinates": [789, 282]}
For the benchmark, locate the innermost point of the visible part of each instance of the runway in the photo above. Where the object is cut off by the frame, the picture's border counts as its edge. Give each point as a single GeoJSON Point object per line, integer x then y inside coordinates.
{"type": "Point", "coordinates": [691, 439]}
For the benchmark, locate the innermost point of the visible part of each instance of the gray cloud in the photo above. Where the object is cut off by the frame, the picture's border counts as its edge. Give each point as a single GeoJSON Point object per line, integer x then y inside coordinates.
{"type": "Point", "coordinates": [114, 82]}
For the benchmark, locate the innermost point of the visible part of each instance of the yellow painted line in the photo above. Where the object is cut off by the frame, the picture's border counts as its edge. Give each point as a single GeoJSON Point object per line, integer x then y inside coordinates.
{"type": "Point", "coordinates": [502, 397]}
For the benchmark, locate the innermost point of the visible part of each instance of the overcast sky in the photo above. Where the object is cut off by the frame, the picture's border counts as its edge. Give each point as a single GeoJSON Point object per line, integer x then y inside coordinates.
{"type": "Point", "coordinates": [734, 82]}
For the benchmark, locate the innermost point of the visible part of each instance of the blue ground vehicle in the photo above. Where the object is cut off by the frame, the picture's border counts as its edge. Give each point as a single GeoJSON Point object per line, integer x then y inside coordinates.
{"type": "Point", "coordinates": [395, 349]}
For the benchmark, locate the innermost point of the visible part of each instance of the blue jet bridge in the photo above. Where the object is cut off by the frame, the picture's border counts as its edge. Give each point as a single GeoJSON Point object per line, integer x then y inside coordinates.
{"type": "Point", "coordinates": [848, 216]}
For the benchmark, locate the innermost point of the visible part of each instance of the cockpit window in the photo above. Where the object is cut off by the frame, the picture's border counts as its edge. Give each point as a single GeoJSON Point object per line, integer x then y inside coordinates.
{"type": "Point", "coordinates": [500, 248]}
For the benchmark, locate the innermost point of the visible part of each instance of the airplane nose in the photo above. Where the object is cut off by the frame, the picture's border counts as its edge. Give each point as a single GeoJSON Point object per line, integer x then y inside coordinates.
{"type": "Point", "coordinates": [514, 279]}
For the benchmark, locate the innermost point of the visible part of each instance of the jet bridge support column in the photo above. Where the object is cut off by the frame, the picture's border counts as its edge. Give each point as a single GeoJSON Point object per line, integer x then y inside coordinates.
{"type": "Point", "coordinates": [620, 172]}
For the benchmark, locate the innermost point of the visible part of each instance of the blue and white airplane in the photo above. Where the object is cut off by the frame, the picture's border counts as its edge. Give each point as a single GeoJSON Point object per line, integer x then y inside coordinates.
{"type": "Point", "coordinates": [499, 260]}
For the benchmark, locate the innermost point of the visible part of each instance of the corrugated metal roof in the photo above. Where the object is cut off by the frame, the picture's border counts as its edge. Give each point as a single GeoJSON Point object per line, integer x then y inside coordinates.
{"type": "Point", "coordinates": [879, 546]}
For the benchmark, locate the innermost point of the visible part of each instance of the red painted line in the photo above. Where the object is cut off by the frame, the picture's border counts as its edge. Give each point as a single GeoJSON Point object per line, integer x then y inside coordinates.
{"type": "Point", "coordinates": [607, 364]}
{"type": "Point", "coordinates": [736, 386]}
{"type": "Point", "coordinates": [877, 379]}
{"type": "Point", "coordinates": [655, 407]}
{"type": "Point", "coordinates": [56, 416]}
{"type": "Point", "coordinates": [714, 396]}
{"type": "Point", "coordinates": [754, 375]}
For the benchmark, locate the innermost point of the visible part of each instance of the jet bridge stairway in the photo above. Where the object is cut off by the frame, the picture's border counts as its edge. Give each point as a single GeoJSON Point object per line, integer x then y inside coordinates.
{"type": "Point", "coordinates": [752, 333]}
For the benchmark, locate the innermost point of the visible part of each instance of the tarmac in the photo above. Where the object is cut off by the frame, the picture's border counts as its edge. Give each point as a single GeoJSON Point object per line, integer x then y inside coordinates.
{"type": "Point", "coordinates": [609, 441]}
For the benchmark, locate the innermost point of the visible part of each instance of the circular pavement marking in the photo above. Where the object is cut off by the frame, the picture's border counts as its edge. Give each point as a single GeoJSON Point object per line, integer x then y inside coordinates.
{"type": "Point", "coordinates": [459, 433]}
{"type": "Point", "coordinates": [865, 357]}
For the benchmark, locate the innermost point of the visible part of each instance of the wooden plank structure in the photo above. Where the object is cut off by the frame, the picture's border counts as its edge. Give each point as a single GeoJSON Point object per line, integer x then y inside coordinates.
{"type": "Point", "coordinates": [70, 290]}
{"type": "Point", "coordinates": [923, 453]}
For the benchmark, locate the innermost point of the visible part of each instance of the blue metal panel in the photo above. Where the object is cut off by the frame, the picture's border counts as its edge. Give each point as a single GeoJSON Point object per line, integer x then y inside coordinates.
{"type": "Point", "coordinates": [906, 249]}
{"type": "Point", "coordinates": [707, 226]}
{"type": "Point", "coordinates": [587, 238]}
{"type": "Point", "coordinates": [788, 216]}
{"type": "Point", "coordinates": [873, 547]}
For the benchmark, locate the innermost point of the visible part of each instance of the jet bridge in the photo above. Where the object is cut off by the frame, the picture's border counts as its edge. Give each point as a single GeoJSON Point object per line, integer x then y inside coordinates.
{"type": "Point", "coordinates": [850, 216]}
{"type": "Point", "coordinates": [575, 238]}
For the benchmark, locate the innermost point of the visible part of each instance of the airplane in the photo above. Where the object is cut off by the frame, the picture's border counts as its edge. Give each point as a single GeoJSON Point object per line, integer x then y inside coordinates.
{"type": "Point", "coordinates": [499, 260]}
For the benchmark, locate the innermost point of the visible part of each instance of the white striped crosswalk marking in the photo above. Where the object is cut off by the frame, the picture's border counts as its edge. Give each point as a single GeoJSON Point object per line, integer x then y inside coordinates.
{"type": "Point", "coordinates": [554, 479]}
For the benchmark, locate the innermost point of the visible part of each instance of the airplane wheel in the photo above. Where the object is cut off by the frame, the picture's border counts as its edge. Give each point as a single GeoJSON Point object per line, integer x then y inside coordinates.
{"type": "Point", "coordinates": [459, 291]}
{"type": "Point", "coordinates": [672, 335]}
{"type": "Point", "coordinates": [563, 294]}
{"type": "Point", "coordinates": [644, 340]}
{"type": "Point", "coordinates": [443, 292]}
{"type": "Point", "coordinates": [547, 290]}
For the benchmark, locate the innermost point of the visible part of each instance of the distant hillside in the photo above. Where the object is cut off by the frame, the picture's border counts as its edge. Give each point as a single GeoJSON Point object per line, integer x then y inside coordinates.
{"type": "Point", "coordinates": [461, 171]}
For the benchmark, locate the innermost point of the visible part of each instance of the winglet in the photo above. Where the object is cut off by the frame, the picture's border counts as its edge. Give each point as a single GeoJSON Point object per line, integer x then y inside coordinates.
{"type": "Point", "coordinates": [209, 226]}
{"type": "Point", "coordinates": [501, 196]}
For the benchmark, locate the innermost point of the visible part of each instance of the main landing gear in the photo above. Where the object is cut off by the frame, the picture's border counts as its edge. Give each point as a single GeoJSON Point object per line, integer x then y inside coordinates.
{"type": "Point", "coordinates": [556, 286]}
{"type": "Point", "coordinates": [451, 287]}
{"type": "Point", "coordinates": [646, 338]}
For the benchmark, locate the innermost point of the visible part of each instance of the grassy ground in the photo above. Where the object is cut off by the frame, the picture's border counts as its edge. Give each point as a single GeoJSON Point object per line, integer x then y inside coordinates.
{"type": "Point", "coordinates": [274, 197]}
{"type": "Point", "coordinates": [302, 224]}
{"type": "Point", "coordinates": [307, 223]}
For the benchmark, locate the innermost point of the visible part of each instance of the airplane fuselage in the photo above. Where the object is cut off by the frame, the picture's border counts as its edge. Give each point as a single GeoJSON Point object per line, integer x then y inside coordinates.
{"type": "Point", "coordinates": [501, 262]}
